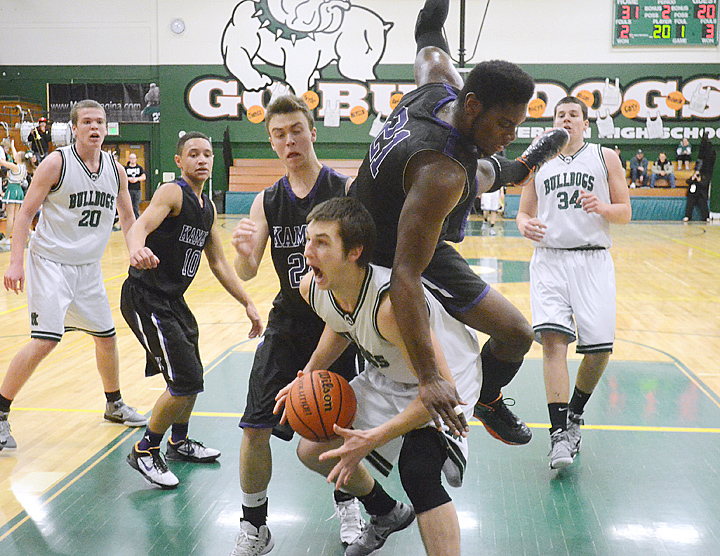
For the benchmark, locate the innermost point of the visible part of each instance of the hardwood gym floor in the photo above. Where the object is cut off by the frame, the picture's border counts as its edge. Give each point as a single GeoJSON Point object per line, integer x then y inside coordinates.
{"type": "Point", "coordinates": [646, 482]}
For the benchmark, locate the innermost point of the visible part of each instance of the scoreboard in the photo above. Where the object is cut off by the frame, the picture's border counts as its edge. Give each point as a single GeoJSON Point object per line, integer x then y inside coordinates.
{"type": "Point", "coordinates": [665, 23]}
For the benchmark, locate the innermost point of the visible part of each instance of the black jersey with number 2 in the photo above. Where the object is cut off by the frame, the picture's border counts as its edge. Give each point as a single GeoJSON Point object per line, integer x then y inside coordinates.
{"type": "Point", "coordinates": [178, 242]}
{"type": "Point", "coordinates": [286, 215]}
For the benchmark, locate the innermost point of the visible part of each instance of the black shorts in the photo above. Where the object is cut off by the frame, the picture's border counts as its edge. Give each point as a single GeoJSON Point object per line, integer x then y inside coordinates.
{"type": "Point", "coordinates": [450, 279]}
{"type": "Point", "coordinates": [169, 333]}
{"type": "Point", "coordinates": [284, 350]}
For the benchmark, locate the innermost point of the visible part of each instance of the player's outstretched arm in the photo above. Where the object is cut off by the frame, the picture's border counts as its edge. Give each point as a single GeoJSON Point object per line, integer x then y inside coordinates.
{"type": "Point", "coordinates": [224, 273]}
{"type": "Point", "coordinates": [435, 184]}
{"type": "Point", "coordinates": [46, 176]}
{"type": "Point", "coordinates": [388, 328]}
{"type": "Point", "coordinates": [331, 345]}
{"type": "Point", "coordinates": [167, 200]}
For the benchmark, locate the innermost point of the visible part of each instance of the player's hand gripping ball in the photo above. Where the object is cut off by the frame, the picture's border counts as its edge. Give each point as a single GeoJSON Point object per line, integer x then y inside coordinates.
{"type": "Point", "coordinates": [317, 401]}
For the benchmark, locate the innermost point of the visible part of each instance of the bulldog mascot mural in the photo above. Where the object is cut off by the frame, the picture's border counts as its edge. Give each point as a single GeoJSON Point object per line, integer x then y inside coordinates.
{"type": "Point", "coordinates": [302, 37]}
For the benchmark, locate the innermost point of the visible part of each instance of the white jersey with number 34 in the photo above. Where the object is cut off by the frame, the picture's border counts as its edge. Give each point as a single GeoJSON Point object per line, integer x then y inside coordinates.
{"type": "Point", "coordinates": [558, 184]}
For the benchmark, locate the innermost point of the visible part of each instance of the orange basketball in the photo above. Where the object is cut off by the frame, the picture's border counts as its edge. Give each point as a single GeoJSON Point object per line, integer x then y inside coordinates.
{"type": "Point", "coordinates": [317, 401]}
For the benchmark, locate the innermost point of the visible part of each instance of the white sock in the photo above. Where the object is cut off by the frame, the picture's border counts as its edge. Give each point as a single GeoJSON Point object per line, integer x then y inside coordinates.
{"type": "Point", "coordinates": [254, 499]}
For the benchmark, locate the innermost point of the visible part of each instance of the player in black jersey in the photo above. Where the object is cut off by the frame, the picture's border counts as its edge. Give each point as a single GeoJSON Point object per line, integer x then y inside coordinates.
{"type": "Point", "coordinates": [418, 182]}
{"type": "Point", "coordinates": [278, 214]}
{"type": "Point", "coordinates": [178, 225]}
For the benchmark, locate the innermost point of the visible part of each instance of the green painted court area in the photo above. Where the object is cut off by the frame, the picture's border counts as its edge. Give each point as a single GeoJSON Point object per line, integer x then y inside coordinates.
{"type": "Point", "coordinates": [647, 482]}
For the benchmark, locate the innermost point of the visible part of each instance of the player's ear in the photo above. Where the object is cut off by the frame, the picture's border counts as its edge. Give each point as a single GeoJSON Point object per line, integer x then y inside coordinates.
{"type": "Point", "coordinates": [472, 105]}
{"type": "Point", "coordinates": [177, 161]}
{"type": "Point", "coordinates": [354, 253]}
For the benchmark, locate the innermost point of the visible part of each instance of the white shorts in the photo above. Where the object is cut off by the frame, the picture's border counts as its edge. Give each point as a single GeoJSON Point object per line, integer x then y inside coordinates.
{"type": "Point", "coordinates": [574, 290]}
{"type": "Point", "coordinates": [490, 201]}
{"type": "Point", "coordinates": [379, 399]}
{"type": "Point", "coordinates": [64, 297]}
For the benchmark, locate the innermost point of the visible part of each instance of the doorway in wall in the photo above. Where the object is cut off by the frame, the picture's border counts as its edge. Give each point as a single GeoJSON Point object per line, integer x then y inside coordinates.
{"type": "Point", "coordinates": [142, 151]}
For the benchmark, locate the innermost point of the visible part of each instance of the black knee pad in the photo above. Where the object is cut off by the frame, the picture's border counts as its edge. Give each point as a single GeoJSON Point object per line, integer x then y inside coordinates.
{"type": "Point", "coordinates": [420, 464]}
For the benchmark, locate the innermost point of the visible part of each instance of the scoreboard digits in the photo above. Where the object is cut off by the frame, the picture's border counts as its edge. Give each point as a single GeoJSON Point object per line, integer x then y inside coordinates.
{"type": "Point", "coordinates": [665, 23]}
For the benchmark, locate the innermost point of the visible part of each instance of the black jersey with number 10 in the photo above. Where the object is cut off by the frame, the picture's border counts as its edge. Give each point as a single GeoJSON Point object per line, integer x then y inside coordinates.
{"type": "Point", "coordinates": [178, 242]}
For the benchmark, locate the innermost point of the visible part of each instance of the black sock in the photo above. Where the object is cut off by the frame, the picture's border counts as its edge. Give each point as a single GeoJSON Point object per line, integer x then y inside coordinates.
{"type": "Point", "coordinates": [558, 416]}
{"type": "Point", "coordinates": [341, 496]}
{"type": "Point", "coordinates": [257, 515]}
{"type": "Point", "coordinates": [113, 396]}
{"type": "Point", "coordinates": [578, 401]}
{"type": "Point", "coordinates": [179, 432]}
{"type": "Point", "coordinates": [429, 25]}
{"type": "Point", "coordinates": [5, 404]}
{"type": "Point", "coordinates": [496, 374]}
{"type": "Point", "coordinates": [150, 440]}
{"type": "Point", "coordinates": [377, 502]}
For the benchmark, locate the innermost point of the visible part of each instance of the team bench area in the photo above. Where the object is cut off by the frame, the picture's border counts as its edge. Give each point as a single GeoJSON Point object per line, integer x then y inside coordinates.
{"type": "Point", "coordinates": [248, 176]}
{"type": "Point", "coordinates": [656, 203]}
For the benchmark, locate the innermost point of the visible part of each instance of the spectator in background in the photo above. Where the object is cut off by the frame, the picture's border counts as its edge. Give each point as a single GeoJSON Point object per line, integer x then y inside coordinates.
{"type": "Point", "coordinates": [684, 150]}
{"type": "Point", "coordinates": [699, 182]}
{"type": "Point", "coordinates": [14, 193]}
{"type": "Point", "coordinates": [638, 170]}
{"type": "Point", "coordinates": [697, 196]}
{"type": "Point", "coordinates": [31, 163]}
{"type": "Point", "coordinates": [136, 177]}
{"type": "Point", "coordinates": [39, 139]}
{"type": "Point", "coordinates": [663, 168]}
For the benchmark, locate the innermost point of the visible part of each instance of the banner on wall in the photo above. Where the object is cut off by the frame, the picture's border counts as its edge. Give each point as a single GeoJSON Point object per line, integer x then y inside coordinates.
{"type": "Point", "coordinates": [123, 102]}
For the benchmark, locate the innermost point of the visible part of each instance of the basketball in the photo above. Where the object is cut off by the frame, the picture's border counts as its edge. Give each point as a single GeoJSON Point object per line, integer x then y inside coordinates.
{"type": "Point", "coordinates": [317, 401]}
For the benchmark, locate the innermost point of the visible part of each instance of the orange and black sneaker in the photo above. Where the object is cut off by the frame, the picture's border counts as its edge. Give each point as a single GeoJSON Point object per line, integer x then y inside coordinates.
{"type": "Point", "coordinates": [502, 423]}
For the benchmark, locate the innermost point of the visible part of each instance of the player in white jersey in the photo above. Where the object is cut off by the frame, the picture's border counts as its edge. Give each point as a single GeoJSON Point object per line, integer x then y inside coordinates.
{"type": "Point", "coordinates": [392, 424]}
{"type": "Point", "coordinates": [567, 212]}
{"type": "Point", "coordinates": [79, 188]}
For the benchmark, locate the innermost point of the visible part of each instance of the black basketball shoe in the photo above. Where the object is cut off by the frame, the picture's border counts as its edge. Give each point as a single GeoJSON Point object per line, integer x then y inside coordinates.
{"type": "Point", "coordinates": [502, 423]}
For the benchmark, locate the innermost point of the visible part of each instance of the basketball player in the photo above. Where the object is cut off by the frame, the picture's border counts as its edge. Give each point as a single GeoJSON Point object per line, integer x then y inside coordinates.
{"type": "Point", "coordinates": [418, 182]}
{"type": "Point", "coordinates": [279, 214]}
{"type": "Point", "coordinates": [491, 205]}
{"type": "Point", "coordinates": [178, 225]}
{"type": "Point", "coordinates": [567, 213]}
{"type": "Point", "coordinates": [391, 424]}
{"type": "Point", "coordinates": [79, 188]}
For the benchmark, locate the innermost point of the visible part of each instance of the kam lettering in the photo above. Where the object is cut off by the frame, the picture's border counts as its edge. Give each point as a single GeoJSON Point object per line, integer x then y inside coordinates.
{"type": "Point", "coordinates": [195, 237]}
{"type": "Point", "coordinates": [287, 237]}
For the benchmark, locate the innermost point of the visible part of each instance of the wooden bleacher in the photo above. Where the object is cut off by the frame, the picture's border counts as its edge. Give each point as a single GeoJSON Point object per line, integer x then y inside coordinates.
{"type": "Point", "coordinates": [251, 175]}
{"type": "Point", "coordinates": [248, 176]}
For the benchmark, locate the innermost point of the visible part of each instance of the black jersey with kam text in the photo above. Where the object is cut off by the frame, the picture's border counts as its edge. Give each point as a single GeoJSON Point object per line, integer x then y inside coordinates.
{"type": "Point", "coordinates": [286, 216]}
{"type": "Point", "coordinates": [178, 242]}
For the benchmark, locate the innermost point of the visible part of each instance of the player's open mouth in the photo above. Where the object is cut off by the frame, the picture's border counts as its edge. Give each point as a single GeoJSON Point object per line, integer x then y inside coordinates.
{"type": "Point", "coordinates": [318, 274]}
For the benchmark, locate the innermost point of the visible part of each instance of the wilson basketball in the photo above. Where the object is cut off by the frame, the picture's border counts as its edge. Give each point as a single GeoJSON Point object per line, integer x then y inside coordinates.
{"type": "Point", "coordinates": [317, 401]}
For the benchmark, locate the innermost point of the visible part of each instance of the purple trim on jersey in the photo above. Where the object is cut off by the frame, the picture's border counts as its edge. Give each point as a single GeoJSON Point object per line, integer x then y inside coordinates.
{"type": "Point", "coordinates": [475, 302]}
{"type": "Point", "coordinates": [447, 302]}
{"type": "Point", "coordinates": [286, 184]}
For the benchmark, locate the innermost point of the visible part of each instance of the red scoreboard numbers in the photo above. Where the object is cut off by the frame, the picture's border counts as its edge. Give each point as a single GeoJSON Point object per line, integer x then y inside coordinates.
{"type": "Point", "coordinates": [658, 23]}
